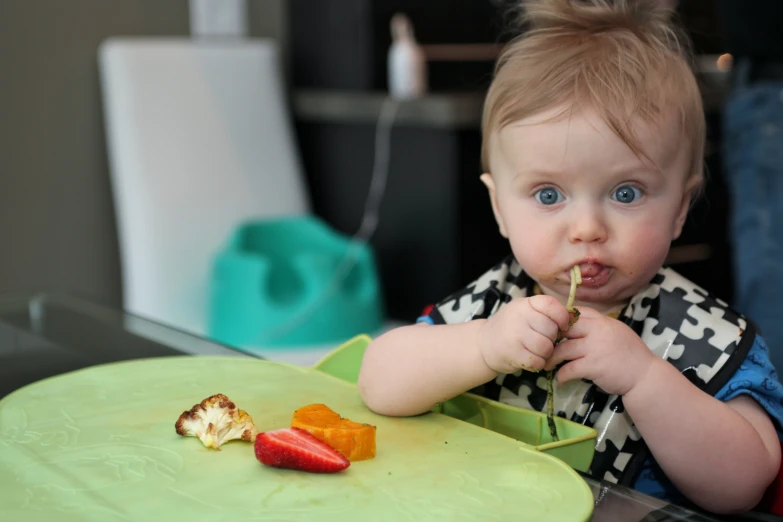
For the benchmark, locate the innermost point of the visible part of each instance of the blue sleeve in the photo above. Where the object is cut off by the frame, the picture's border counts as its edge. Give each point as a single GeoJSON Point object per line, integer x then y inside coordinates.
{"type": "Point", "coordinates": [756, 377]}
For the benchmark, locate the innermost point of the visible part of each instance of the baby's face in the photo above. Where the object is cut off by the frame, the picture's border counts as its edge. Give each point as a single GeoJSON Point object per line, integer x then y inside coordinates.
{"type": "Point", "coordinates": [571, 192]}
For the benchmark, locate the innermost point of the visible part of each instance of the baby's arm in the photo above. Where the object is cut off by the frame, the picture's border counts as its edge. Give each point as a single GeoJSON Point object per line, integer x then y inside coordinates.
{"type": "Point", "coordinates": [720, 455]}
{"type": "Point", "coordinates": [410, 369]}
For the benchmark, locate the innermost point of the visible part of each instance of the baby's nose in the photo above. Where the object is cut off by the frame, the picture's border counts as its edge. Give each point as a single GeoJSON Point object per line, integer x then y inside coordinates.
{"type": "Point", "coordinates": [588, 226]}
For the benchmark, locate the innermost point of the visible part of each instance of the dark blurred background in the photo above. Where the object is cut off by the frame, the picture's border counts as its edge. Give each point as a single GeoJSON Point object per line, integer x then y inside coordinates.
{"type": "Point", "coordinates": [436, 231]}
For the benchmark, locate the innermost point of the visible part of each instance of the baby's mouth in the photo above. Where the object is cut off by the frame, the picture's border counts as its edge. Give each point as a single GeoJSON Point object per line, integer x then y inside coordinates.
{"type": "Point", "coordinates": [594, 274]}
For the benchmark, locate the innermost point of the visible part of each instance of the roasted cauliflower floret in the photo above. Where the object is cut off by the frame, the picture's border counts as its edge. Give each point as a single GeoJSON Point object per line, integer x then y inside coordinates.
{"type": "Point", "coordinates": [215, 421]}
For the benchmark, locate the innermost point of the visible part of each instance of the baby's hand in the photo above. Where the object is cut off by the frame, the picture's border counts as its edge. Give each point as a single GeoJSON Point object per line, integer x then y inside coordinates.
{"type": "Point", "coordinates": [603, 350]}
{"type": "Point", "coordinates": [522, 333]}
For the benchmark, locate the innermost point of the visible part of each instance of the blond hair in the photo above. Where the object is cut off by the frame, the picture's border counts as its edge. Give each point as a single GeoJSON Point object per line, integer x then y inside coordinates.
{"type": "Point", "coordinates": [622, 58]}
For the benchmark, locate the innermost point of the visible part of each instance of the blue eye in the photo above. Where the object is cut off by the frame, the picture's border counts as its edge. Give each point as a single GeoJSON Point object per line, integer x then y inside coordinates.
{"type": "Point", "coordinates": [548, 196]}
{"type": "Point", "coordinates": [627, 194]}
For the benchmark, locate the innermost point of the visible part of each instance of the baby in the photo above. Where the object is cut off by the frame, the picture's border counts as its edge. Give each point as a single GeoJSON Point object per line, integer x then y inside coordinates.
{"type": "Point", "coordinates": [593, 149]}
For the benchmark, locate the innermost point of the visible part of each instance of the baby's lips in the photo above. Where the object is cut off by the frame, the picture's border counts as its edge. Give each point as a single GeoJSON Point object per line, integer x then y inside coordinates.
{"type": "Point", "coordinates": [590, 269]}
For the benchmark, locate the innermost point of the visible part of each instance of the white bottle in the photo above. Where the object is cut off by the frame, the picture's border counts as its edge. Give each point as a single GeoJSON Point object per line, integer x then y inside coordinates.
{"type": "Point", "coordinates": [407, 65]}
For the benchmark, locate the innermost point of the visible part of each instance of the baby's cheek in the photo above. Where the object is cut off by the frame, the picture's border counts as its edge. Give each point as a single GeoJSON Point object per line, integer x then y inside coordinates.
{"type": "Point", "coordinates": [647, 247]}
{"type": "Point", "coordinates": [536, 250]}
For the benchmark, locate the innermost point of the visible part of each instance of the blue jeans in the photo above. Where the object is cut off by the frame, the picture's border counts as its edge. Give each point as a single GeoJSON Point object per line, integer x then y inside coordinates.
{"type": "Point", "coordinates": [753, 155]}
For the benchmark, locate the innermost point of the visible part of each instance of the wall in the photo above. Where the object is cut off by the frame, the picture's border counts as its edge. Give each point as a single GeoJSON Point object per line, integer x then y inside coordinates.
{"type": "Point", "coordinates": [57, 227]}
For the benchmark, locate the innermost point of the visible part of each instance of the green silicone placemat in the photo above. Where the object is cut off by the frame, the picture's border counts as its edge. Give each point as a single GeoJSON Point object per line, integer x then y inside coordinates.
{"type": "Point", "coordinates": [99, 444]}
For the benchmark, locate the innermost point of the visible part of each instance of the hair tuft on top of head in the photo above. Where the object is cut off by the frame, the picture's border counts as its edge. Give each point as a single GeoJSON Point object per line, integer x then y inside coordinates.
{"type": "Point", "coordinates": [597, 16]}
{"type": "Point", "coordinates": [625, 59]}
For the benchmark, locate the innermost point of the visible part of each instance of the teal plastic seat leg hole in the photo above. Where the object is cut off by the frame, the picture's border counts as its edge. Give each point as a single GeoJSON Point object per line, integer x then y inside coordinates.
{"type": "Point", "coordinates": [293, 281]}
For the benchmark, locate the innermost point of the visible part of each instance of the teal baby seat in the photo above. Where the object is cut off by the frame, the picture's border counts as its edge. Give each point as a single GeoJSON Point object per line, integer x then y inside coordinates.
{"type": "Point", "coordinates": [293, 281]}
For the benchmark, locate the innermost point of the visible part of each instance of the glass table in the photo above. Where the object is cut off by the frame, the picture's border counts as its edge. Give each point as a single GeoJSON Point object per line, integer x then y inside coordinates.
{"type": "Point", "coordinates": [48, 334]}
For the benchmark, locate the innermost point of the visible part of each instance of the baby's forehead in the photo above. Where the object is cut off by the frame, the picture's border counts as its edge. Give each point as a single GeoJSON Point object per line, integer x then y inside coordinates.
{"type": "Point", "coordinates": [549, 136]}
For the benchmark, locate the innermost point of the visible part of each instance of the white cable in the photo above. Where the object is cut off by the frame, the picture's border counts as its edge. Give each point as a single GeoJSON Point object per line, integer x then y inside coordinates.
{"type": "Point", "coordinates": [380, 170]}
{"type": "Point", "coordinates": [368, 226]}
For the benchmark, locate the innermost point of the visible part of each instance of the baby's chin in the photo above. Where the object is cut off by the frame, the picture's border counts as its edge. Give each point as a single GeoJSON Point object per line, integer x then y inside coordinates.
{"type": "Point", "coordinates": [609, 297]}
{"type": "Point", "coordinates": [605, 297]}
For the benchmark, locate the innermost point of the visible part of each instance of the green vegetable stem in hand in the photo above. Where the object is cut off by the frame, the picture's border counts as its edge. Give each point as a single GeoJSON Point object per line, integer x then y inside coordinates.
{"type": "Point", "coordinates": [576, 280]}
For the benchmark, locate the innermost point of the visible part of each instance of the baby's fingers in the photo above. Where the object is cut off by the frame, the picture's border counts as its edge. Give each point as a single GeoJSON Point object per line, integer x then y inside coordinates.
{"type": "Point", "coordinates": [543, 325]}
{"type": "Point", "coordinates": [587, 320]}
{"type": "Point", "coordinates": [529, 361]}
{"type": "Point", "coordinates": [576, 369]}
{"type": "Point", "coordinates": [567, 350]}
{"type": "Point", "coordinates": [539, 345]}
{"type": "Point", "coordinates": [551, 308]}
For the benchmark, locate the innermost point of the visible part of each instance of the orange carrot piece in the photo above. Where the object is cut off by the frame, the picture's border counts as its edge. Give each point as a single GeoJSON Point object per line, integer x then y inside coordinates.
{"type": "Point", "coordinates": [353, 440]}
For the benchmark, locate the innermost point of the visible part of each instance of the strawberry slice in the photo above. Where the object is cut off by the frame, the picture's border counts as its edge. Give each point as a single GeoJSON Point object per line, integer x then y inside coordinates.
{"type": "Point", "coordinates": [294, 448]}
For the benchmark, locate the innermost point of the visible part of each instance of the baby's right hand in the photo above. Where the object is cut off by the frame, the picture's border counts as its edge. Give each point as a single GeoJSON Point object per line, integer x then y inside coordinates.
{"type": "Point", "coordinates": [522, 333]}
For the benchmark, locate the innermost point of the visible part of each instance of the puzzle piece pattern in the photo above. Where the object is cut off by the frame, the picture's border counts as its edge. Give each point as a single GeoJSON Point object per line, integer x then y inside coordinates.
{"type": "Point", "coordinates": [679, 322]}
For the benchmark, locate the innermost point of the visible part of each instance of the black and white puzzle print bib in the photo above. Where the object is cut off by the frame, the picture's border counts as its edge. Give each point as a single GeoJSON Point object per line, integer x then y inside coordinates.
{"type": "Point", "coordinates": [677, 320]}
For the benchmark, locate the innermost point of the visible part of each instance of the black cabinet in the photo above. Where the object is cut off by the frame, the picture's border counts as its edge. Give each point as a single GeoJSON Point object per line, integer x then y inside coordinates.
{"type": "Point", "coordinates": [342, 44]}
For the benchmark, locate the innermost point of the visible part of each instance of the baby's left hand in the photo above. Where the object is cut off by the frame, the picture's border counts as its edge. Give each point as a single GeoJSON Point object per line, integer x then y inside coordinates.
{"type": "Point", "coordinates": [603, 350]}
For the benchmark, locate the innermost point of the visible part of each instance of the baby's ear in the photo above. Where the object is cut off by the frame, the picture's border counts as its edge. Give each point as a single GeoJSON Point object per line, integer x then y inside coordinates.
{"type": "Point", "coordinates": [489, 182]}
